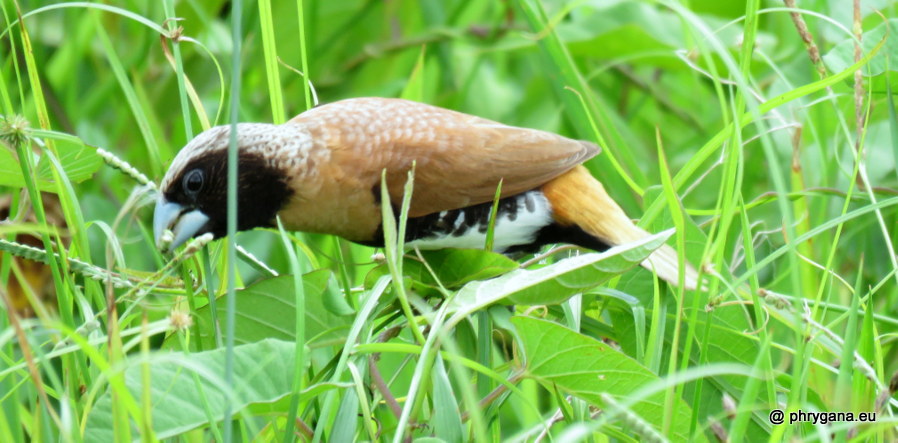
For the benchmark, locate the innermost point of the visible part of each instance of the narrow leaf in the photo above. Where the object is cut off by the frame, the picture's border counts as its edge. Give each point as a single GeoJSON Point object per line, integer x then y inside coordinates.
{"type": "Point", "coordinates": [587, 368]}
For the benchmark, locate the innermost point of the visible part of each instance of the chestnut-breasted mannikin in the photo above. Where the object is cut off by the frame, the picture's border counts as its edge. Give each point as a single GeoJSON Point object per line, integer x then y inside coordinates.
{"type": "Point", "coordinates": [321, 172]}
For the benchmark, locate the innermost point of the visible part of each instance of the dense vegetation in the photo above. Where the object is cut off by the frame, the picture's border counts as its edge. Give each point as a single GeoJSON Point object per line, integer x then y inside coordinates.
{"type": "Point", "coordinates": [765, 136]}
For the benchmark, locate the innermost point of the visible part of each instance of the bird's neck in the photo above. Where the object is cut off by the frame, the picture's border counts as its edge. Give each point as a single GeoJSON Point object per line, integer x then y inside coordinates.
{"type": "Point", "coordinates": [287, 146]}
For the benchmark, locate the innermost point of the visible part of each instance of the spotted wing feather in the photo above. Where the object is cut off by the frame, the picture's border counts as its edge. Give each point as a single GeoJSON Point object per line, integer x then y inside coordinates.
{"type": "Point", "coordinates": [459, 159]}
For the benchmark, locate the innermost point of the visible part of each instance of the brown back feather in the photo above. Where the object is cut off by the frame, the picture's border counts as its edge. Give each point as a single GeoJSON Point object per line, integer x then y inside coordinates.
{"type": "Point", "coordinates": [459, 158]}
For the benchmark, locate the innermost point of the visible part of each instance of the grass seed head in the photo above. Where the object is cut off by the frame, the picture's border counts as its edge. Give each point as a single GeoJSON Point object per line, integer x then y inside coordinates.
{"type": "Point", "coordinates": [13, 130]}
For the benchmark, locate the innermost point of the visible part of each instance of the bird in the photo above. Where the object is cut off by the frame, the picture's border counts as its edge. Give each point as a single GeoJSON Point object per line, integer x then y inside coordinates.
{"type": "Point", "coordinates": [321, 172]}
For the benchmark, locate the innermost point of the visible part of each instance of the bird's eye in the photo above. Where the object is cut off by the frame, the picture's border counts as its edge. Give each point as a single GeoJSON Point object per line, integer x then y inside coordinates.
{"type": "Point", "coordinates": [193, 182]}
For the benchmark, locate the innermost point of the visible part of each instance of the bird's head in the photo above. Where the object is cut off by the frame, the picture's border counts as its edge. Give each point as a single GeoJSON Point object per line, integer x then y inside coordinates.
{"type": "Point", "coordinates": [193, 194]}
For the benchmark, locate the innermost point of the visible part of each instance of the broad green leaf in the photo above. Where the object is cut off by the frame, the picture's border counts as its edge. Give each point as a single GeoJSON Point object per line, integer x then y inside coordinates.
{"type": "Point", "coordinates": [334, 299]}
{"type": "Point", "coordinates": [642, 33]}
{"type": "Point", "coordinates": [79, 162]}
{"type": "Point", "coordinates": [841, 56]}
{"type": "Point", "coordinates": [584, 367]}
{"type": "Point", "coordinates": [623, 29]}
{"type": "Point", "coordinates": [414, 89]}
{"type": "Point", "coordinates": [726, 343]}
{"type": "Point", "coordinates": [732, 9]}
{"type": "Point", "coordinates": [556, 282]}
{"type": "Point", "coordinates": [454, 267]}
{"type": "Point", "coordinates": [282, 405]}
{"type": "Point", "coordinates": [447, 424]}
{"type": "Point", "coordinates": [187, 389]}
{"type": "Point", "coordinates": [266, 309]}
{"type": "Point", "coordinates": [347, 420]}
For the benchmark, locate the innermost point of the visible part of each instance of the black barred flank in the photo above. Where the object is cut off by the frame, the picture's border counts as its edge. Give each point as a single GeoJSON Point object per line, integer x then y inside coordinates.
{"type": "Point", "coordinates": [458, 222]}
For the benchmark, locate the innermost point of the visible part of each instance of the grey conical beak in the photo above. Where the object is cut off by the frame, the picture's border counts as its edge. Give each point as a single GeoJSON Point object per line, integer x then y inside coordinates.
{"type": "Point", "coordinates": [184, 223]}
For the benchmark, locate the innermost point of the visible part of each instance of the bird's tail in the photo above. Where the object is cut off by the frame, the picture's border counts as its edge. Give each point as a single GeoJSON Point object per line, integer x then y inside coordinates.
{"type": "Point", "coordinates": [579, 199]}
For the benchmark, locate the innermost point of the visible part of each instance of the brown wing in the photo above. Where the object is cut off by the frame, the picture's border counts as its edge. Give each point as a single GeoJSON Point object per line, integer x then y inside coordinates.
{"type": "Point", "coordinates": [459, 158]}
